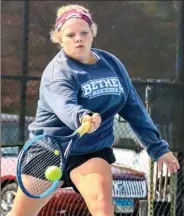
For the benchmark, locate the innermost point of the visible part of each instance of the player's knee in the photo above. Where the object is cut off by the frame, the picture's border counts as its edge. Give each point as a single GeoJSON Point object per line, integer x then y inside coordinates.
{"type": "Point", "coordinates": [100, 206]}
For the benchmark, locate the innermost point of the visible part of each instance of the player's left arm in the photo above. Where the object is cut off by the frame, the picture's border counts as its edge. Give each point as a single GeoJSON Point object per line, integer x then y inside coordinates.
{"type": "Point", "coordinates": [135, 113]}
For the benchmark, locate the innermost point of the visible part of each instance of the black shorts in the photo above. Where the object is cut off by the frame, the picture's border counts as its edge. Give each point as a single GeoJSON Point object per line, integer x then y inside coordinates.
{"type": "Point", "coordinates": [38, 159]}
{"type": "Point", "coordinates": [77, 160]}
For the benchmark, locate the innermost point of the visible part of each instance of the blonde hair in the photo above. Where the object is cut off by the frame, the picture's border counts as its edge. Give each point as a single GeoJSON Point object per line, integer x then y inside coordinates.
{"type": "Point", "coordinates": [54, 34]}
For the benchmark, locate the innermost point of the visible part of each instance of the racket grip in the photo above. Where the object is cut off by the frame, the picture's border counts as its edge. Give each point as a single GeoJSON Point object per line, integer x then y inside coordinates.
{"type": "Point", "coordinates": [84, 128]}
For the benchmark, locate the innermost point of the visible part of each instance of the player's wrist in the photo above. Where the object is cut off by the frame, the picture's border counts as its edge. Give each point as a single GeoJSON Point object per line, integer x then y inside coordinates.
{"type": "Point", "coordinates": [89, 113]}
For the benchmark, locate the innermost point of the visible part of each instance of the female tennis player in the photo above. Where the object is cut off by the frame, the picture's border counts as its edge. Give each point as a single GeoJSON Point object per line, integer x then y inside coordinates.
{"type": "Point", "coordinates": [81, 84]}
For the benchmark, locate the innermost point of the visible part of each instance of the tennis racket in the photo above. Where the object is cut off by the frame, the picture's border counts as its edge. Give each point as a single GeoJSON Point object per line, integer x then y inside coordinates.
{"type": "Point", "coordinates": [42, 161]}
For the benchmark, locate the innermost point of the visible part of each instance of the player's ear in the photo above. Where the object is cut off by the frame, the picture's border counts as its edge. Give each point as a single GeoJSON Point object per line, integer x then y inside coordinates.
{"type": "Point", "coordinates": [61, 43]}
{"type": "Point", "coordinates": [60, 39]}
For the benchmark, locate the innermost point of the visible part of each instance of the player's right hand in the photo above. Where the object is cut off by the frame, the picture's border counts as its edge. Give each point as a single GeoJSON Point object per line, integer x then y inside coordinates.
{"type": "Point", "coordinates": [95, 120]}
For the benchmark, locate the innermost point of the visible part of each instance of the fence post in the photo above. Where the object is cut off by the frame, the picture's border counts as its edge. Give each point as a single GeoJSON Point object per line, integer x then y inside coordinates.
{"type": "Point", "coordinates": [180, 78]}
{"type": "Point", "coordinates": [24, 71]}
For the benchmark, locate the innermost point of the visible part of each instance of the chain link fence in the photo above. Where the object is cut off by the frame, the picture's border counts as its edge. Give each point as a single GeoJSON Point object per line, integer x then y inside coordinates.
{"type": "Point", "coordinates": [143, 35]}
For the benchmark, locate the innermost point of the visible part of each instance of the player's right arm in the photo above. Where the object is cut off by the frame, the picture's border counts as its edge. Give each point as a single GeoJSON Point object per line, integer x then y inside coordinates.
{"type": "Point", "coordinates": [59, 89]}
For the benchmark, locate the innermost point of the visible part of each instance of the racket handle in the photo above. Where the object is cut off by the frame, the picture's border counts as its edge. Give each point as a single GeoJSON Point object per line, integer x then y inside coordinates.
{"type": "Point", "coordinates": [84, 128]}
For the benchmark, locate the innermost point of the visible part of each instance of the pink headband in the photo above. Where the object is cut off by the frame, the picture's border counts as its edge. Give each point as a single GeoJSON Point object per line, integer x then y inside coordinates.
{"type": "Point", "coordinates": [72, 14]}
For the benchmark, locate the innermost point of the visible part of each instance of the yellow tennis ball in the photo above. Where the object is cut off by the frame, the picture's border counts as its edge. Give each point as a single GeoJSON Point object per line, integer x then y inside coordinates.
{"type": "Point", "coordinates": [56, 152]}
{"type": "Point", "coordinates": [53, 173]}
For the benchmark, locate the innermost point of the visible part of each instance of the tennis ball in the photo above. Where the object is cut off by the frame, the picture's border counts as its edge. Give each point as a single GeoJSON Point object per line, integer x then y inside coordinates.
{"type": "Point", "coordinates": [56, 152]}
{"type": "Point", "coordinates": [53, 173]}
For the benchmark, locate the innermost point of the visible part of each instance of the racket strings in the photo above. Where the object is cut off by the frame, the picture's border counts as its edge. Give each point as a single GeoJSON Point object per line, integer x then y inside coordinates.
{"type": "Point", "coordinates": [35, 186]}
{"type": "Point", "coordinates": [36, 160]}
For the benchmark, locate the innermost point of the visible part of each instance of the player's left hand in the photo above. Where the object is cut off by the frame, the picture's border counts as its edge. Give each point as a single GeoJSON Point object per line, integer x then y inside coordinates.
{"type": "Point", "coordinates": [170, 161]}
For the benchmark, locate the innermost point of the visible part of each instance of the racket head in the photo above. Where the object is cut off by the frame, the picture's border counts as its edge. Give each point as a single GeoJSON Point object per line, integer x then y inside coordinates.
{"type": "Point", "coordinates": [35, 157]}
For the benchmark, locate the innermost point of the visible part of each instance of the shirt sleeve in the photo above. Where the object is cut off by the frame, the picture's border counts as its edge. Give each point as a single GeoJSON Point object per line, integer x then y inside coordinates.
{"type": "Point", "coordinates": [61, 96]}
{"type": "Point", "coordinates": [140, 121]}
